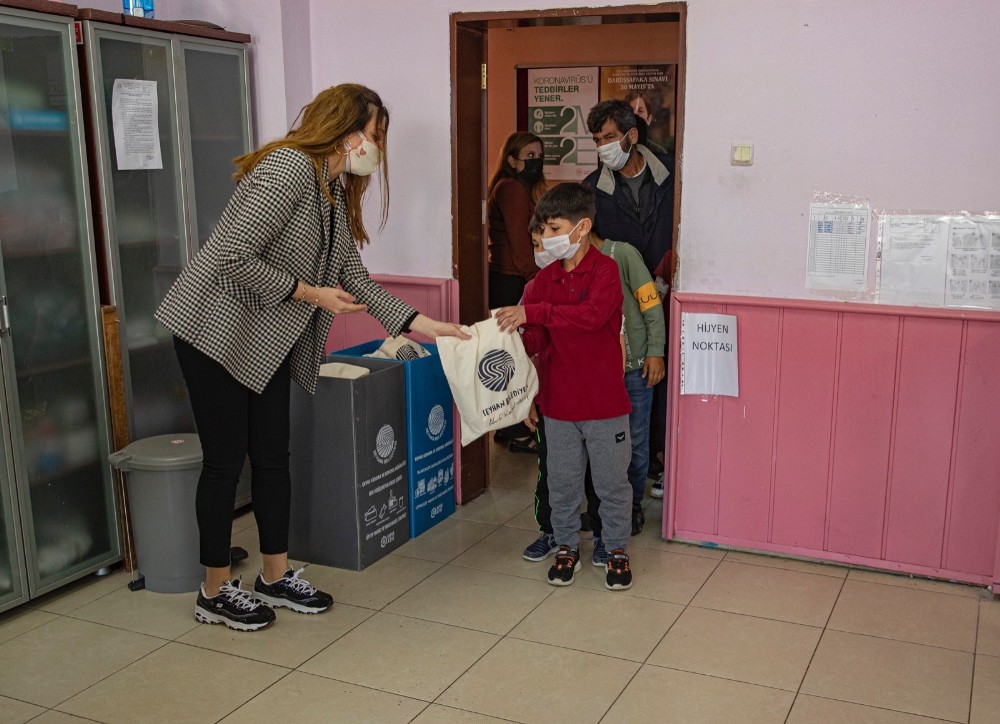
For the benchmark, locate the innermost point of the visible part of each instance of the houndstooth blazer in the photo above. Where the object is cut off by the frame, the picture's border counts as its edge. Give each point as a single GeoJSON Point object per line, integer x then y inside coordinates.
{"type": "Point", "coordinates": [232, 301]}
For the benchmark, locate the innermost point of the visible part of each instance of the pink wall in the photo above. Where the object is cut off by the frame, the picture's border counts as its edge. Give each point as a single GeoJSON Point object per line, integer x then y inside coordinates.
{"type": "Point", "coordinates": [886, 98]}
{"type": "Point", "coordinates": [861, 435]}
{"type": "Point", "coordinates": [882, 98]}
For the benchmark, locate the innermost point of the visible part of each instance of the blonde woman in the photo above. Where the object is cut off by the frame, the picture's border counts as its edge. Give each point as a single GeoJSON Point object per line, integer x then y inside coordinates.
{"type": "Point", "coordinates": [252, 311]}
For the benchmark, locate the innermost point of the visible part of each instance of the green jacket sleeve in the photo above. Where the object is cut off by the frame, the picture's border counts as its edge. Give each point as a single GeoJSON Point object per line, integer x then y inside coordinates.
{"type": "Point", "coordinates": [641, 287]}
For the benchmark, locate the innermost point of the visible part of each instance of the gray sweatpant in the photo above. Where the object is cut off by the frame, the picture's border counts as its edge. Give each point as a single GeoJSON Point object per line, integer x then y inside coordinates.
{"type": "Point", "coordinates": [609, 448]}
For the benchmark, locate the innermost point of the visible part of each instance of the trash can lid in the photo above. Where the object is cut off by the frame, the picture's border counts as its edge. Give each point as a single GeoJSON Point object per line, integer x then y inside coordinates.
{"type": "Point", "coordinates": [162, 452]}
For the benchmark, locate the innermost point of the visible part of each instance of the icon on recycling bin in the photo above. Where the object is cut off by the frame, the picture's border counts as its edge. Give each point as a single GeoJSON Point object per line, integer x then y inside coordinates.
{"type": "Point", "coordinates": [394, 502]}
{"type": "Point", "coordinates": [382, 511]}
{"type": "Point", "coordinates": [370, 515]}
{"type": "Point", "coordinates": [440, 476]}
{"type": "Point", "coordinates": [432, 484]}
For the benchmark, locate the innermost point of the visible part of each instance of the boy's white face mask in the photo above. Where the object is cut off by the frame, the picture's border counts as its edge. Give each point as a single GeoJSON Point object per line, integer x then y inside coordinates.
{"type": "Point", "coordinates": [560, 246]}
{"type": "Point", "coordinates": [543, 258]}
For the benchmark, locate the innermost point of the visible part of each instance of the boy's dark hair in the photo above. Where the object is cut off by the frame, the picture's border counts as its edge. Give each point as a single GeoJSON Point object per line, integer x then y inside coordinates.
{"type": "Point", "coordinates": [616, 110]}
{"type": "Point", "coordinates": [535, 225]}
{"type": "Point", "coordinates": [568, 201]}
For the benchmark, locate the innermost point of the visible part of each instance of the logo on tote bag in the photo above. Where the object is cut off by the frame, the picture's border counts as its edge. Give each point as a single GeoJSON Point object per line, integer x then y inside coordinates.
{"type": "Point", "coordinates": [385, 444]}
{"type": "Point", "coordinates": [435, 423]}
{"type": "Point", "coordinates": [496, 369]}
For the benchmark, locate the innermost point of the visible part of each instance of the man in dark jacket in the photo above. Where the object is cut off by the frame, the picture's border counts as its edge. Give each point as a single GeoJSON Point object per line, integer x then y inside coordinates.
{"type": "Point", "coordinates": [634, 195]}
{"type": "Point", "coordinates": [634, 187]}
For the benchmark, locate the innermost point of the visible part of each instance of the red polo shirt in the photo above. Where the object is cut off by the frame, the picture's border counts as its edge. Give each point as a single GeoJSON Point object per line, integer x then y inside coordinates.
{"type": "Point", "coordinates": [576, 317]}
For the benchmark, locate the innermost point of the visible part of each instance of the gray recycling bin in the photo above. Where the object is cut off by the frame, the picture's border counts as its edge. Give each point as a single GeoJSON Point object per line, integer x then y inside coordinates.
{"type": "Point", "coordinates": [162, 474]}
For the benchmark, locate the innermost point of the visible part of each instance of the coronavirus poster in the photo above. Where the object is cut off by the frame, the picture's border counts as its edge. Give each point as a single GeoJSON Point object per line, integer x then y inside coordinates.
{"type": "Point", "coordinates": [558, 101]}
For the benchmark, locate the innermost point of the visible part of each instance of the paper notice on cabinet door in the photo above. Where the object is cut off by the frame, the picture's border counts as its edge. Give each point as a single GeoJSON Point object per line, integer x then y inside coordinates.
{"type": "Point", "coordinates": [973, 277]}
{"type": "Point", "coordinates": [914, 257]}
{"type": "Point", "coordinates": [135, 116]}
{"type": "Point", "coordinates": [838, 246]}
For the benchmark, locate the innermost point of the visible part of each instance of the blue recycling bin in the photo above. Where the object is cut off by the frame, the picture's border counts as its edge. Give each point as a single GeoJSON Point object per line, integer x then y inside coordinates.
{"type": "Point", "coordinates": [429, 436]}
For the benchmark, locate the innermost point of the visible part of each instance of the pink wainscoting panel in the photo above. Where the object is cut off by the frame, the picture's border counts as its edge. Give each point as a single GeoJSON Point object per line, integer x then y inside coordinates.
{"type": "Point", "coordinates": [432, 296]}
{"type": "Point", "coordinates": [863, 418]}
{"type": "Point", "coordinates": [921, 448]}
{"type": "Point", "coordinates": [805, 419]}
{"type": "Point", "coordinates": [975, 501]}
{"type": "Point", "coordinates": [748, 429]}
{"type": "Point", "coordinates": [697, 472]}
{"type": "Point", "coordinates": [884, 435]}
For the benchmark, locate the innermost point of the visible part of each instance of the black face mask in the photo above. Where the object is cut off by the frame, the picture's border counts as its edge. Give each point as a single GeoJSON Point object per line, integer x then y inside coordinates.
{"type": "Point", "coordinates": [532, 170]}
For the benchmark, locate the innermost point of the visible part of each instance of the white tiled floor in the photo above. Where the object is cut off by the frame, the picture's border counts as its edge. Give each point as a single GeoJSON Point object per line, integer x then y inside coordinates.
{"type": "Point", "coordinates": [457, 627]}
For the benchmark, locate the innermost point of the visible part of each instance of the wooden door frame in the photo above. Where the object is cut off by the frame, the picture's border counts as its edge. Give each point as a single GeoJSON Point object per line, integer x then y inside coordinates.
{"type": "Point", "coordinates": [475, 477]}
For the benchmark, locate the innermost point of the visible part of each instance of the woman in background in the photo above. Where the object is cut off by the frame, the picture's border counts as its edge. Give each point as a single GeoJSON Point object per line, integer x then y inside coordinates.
{"type": "Point", "coordinates": [516, 184]}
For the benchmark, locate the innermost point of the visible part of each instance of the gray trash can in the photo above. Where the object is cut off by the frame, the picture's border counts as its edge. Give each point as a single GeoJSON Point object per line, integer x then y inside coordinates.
{"type": "Point", "coordinates": [162, 474]}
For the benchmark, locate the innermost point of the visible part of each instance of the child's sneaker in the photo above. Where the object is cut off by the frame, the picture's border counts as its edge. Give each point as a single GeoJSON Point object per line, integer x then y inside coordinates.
{"type": "Point", "coordinates": [541, 549]}
{"type": "Point", "coordinates": [566, 564]}
{"type": "Point", "coordinates": [638, 519]}
{"type": "Point", "coordinates": [619, 576]}
{"type": "Point", "coordinates": [292, 592]}
{"type": "Point", "coordinates": [600, 557]}
{"type": "Point", "coordinates": [656, 490]}
{"type": "Point", "coordinates": [233, 607]}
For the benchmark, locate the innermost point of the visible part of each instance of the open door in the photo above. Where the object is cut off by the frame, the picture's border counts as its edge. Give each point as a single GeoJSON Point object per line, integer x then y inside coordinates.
{"type": "Point", "coordinates": [469, 262]}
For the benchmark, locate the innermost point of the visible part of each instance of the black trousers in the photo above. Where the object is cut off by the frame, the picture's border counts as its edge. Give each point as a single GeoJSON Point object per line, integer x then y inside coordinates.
{"type": "Point", "coordinates": [543, 511]}
{"type": "Point", "coordinates": [234, 421]}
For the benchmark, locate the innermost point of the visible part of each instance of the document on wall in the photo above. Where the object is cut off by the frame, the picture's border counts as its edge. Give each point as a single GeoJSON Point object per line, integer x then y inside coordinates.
{"type": "Point", "coordinates": [134, 114]}
{"type": "Point", "coordinates": [914, 259]}
{"type": "Point", "coordinates": [838, 246]}
{"type": "Point", "coordinates": [709, 355]}
{"type": "Point", "coordinates": [973, 275]}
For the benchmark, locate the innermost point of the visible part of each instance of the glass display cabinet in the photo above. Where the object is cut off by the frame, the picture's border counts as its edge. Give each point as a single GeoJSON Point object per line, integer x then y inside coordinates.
{"type": "Point", "coordinates": [57, 505]}
{"type": "Point", "coordinates": [180, 93]}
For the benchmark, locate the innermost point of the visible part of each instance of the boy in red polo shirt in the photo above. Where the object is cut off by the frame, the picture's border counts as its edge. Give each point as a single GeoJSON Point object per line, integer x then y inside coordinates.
{"type": "Point", "coordinates": [573, 310]}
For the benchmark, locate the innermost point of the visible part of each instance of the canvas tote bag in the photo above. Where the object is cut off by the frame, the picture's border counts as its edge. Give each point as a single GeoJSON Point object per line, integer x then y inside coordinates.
{"type": "Point", "coordinates": [491, 378]}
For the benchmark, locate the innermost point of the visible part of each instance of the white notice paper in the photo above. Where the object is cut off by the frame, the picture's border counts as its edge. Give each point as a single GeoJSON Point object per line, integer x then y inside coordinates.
{"type": "Point", "coordinates": [134, 115]}
{"type": "Point", "coordinates": [973, 278]}
{"type": "Point", "coordinates": [709, 356]}
{"type": "Point", "coordinates": [838, 246]}
{"type": "Point", "coordinates": [914, 256]}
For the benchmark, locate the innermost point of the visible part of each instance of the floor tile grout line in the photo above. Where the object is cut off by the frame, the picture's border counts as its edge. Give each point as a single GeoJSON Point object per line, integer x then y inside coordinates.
{"type": "Point", "coordinates": [975, 659]}
{"type": "Point", "coordinates": [880, 708]}
{"type": "Point", "coordinates": [812, 658]}
{"type": "Point", "coordinates": [724, 678]}
{"type": "Point", "coordinates": [266, 688]}
{"type": "Point", "coordinates": [85, 718]}
{"type": "Point", "coordinates": [899, 641]}
{"type": "Point", "coordinates": [113, 673]}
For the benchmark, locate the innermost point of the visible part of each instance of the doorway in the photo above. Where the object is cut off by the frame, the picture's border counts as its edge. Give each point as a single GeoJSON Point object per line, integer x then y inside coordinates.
{"type": "Point", "coordinates": [488, 50]}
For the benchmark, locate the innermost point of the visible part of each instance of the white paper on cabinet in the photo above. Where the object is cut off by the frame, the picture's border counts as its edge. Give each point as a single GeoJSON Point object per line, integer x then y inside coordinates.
{"type": "Point", "coordinates": [135, 115]}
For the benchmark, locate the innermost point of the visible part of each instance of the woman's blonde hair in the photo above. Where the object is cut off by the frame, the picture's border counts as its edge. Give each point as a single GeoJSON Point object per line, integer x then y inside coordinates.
{"type": "Point", "coordinates": [325, 127]}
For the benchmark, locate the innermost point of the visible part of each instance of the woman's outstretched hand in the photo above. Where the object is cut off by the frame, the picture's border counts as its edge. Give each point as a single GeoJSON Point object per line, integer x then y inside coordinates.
{"type": "Point", "coordinates": [422, 324]}
{"type": "Point", "coordinates": [337, 301]}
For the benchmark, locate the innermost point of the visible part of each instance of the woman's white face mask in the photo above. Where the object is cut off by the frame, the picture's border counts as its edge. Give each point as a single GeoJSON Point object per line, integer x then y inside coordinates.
{"type": "Point", "coordinates": [364, 159]}
{"type": "Point", "coordinates": [560, 246]}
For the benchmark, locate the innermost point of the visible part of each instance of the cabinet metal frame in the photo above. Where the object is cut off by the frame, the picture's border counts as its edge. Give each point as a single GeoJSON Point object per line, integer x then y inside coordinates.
{"type": "Point", "coordinates": [182, 146]}
{"type": "Point", "coordinates": [11, 427]}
